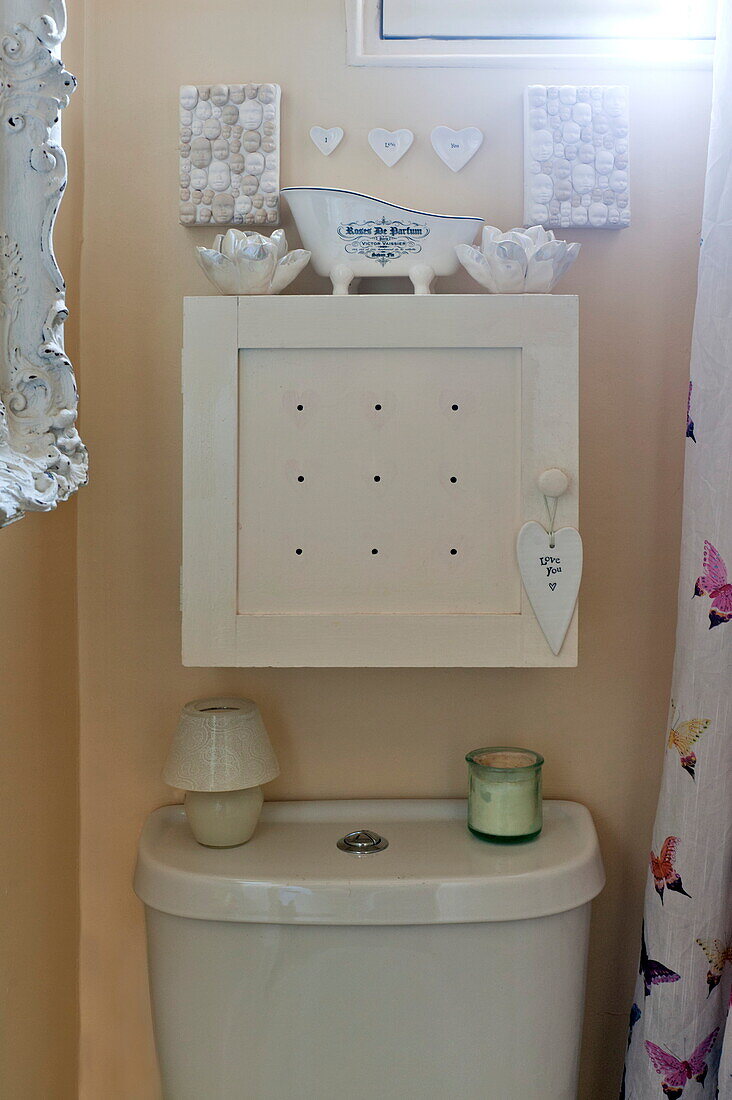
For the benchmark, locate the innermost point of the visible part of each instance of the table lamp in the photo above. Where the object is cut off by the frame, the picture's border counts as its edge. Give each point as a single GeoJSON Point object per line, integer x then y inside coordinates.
{"type": "Point", "coordinates": [220, 755]}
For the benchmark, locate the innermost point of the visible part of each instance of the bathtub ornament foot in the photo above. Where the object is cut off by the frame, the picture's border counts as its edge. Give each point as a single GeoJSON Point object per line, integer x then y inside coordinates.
{"type": "Point", "coordinates": [421, 276]}
{"type": "Point", "coordinates": [341, 277]}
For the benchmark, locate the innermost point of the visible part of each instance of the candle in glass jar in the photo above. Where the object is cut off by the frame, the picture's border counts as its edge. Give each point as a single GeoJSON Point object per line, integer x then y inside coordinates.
{"type": "Point", "coordinates": [504, 799]}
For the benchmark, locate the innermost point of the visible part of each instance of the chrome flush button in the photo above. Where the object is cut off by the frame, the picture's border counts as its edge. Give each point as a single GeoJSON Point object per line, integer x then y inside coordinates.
{"type": "Point", "coordinates": [362, 842]}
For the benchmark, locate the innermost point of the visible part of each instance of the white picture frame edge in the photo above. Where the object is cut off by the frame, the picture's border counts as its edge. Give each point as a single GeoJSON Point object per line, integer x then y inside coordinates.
{"type": "Point", "coordinates": [545, 327]}
{"type": "Point", "coordinates": [42, 459]}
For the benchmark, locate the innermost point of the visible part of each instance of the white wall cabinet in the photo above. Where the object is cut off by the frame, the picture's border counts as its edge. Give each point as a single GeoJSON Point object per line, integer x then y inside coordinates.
{"type": "Point", "coordinates": [356, 470]}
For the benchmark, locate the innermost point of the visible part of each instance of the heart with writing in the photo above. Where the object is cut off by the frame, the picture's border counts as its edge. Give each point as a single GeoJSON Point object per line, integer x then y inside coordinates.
{"type": "Point", "coordinates": [390, 145]}
{"type": "Point", "coordinates": [551, 576]}
{"type": "Point", "coordinates": [456, 147]}
{"type": "Point", "coordinates": [326, 140]}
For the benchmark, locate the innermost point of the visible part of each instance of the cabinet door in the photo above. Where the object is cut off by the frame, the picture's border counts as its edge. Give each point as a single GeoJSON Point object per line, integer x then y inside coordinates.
{"type": "Point", "coordinates": [357, 470]}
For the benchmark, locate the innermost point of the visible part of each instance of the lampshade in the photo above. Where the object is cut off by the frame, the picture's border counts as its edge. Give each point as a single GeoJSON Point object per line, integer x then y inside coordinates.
{"type": "Point", "coordinates": [220, 745]}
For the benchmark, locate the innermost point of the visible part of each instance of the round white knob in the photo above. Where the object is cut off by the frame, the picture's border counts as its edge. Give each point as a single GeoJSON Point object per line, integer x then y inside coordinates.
{"type": "Point", "coordinates": [553, 483]}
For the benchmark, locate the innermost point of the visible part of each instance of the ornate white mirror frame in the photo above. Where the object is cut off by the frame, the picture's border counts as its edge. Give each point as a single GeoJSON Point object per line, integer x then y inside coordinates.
{"type": "Point", "coordinates": [42, 458]}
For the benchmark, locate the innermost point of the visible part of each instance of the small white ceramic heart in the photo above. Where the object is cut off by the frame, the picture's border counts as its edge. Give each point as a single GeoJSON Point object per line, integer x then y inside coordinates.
{"type": "Point", "coordinates": [326, 140]}
{"type": "Point", "coordinates": [456, 147]}
{"type": "Point", "coordinates": [390, 145]}
{"type": "Point", "coordinates": [551, 577]}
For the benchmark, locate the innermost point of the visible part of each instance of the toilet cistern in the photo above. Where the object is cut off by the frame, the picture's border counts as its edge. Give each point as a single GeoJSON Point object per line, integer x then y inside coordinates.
{"type": "Point", "coordinates": [292, 968]}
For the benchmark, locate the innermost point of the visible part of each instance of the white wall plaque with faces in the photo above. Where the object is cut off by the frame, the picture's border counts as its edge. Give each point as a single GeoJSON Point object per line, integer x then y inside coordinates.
{"type": "Point", "coordinates": [576, 157]}
{"type": "Point", "coordinates": [230, 154]}
{"type": "Point", "coordinates": [357, 468]}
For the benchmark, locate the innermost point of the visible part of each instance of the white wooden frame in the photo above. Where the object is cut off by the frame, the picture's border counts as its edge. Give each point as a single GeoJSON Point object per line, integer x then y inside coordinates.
{"type": "Point", "coordinates": [365, 46]}
{"type": "Point", "coordinates": [473, 20]}
{"type": "Point", "coordinates": [42, 459]}
{"type": "Point", "coordinates": [543, 327]}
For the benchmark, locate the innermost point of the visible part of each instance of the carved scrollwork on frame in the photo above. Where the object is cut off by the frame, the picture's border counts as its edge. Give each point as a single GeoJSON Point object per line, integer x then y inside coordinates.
{"type": "Point", "coordinates": [42, 458]}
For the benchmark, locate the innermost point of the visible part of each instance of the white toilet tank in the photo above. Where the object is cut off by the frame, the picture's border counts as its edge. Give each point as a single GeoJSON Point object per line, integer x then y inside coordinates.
{"type": "Point", "coordinates": [440, 966]}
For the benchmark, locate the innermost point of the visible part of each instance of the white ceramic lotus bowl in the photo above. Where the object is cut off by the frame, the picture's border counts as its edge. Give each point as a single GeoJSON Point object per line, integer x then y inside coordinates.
{"type": "Point", "coordinates": [249, 263]}
{"type": "Point", "coordinates": [352, 236]}
{"type": "Point", "coordinates": [522, 261]}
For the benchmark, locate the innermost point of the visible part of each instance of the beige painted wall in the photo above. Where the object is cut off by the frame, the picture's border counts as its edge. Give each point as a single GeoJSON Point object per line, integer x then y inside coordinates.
{"type": "Point", "coordinates": [39, 809]}
{"type": "Point", "coordinates": [39, 819]}
{"type": "Point", "coordinates": [366, 733]}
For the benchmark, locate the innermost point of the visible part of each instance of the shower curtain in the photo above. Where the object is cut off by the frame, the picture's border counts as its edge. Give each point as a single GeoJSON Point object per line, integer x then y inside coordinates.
{"type": "Point", "coordinates": [680, 1031]}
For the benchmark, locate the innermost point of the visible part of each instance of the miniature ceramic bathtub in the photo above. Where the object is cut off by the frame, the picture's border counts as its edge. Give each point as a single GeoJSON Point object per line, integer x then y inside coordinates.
{"type": "Point", "coordinates": [352, 235]}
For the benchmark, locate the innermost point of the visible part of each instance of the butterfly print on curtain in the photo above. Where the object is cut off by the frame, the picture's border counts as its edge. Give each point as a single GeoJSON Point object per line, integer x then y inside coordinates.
{"type": "Point", "coordinates": [682, 736]}
{"type": "Point", "coordinates": [689, 421]}
{"type": "Point", "coordinates": [665, 875]}
{"type": "Point", "coordinates": [677, 1072]}
{"type": "Point", "coordinates": [714, 583]}
{"type": "Point", "coordinates": [718, 955]}
{"type": "Point", "coordinates": [635, 1015]}
{"type": "Point", "coordinates": [654, 973]}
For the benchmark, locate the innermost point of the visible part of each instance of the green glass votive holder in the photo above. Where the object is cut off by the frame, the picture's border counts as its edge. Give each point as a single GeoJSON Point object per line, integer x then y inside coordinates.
{"type": "Point", "coordinates": [504, 795]}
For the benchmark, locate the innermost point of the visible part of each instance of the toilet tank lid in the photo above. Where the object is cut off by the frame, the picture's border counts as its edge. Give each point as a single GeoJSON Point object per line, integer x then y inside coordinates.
{"type": "Point", "coordinates": [433, 871]}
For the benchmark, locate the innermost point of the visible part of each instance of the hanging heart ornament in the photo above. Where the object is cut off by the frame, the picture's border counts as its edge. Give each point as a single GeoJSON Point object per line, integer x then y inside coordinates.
{"type": "Point", "coordinates": [390, 145]}
{"type": "Point", "coordinates": [456, 147]}
{"type": "Point", "coordinates": [551, 576]}
{"type": "Point", "coordinates": [326, 140]}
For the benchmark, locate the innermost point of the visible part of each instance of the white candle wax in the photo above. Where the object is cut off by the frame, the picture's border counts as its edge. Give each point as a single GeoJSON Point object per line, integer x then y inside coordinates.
{"type": "Point", "coordinates": [504, 801]}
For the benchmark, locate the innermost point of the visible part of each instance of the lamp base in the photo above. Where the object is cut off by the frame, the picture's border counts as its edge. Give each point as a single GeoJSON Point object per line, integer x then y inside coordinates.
{"type": "Point", "coordinates": [223, 819]}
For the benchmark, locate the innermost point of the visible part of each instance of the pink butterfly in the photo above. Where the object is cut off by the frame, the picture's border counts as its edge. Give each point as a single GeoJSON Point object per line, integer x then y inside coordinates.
{"type": "Point", "coordinates": [676, 1074]}
{"type": "Point", "coordinates": [713, 582]}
